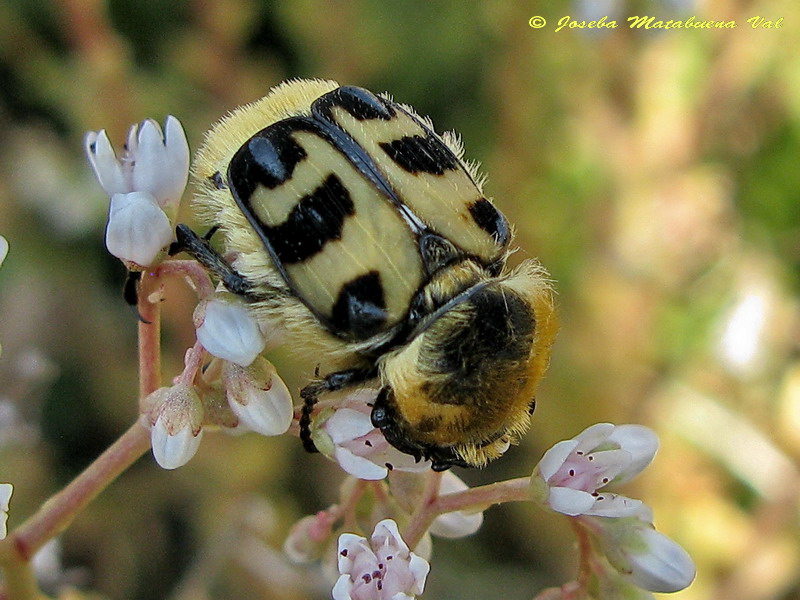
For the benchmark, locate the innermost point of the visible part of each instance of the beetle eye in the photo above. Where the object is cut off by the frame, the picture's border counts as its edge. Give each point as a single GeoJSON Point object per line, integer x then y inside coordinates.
{"type": "Point", "coordinates": [379, 416]}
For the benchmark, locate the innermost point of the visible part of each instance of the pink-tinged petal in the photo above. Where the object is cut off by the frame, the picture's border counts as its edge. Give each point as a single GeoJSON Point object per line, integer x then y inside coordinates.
{"type": "Point", "coordinates": [664, 567]}
{"type": "Point", "coordinates": [137, 230]}
{"type": "Point", "coordinates": [387, 530]}
{"type": "Point", "coordinates": [641, 442]}
{"type": "Point", "coordinates": [555, 457]}
{"type": "Point", "coordinates": [349, 546]}
{"type": "Point", "coordinates": [358, 466]}
{"type": "Point", "coordinates": [614, 505]}
{"type": "Point", "coordinates": [229, 331]}
{"type": "Point", "coordinates": [610, 463]}
{"type": "Point", "coordinates": [347, 424]}
{"type": "Point", "coordinates": [456, 524]}
{"type": "Point", "coordinates": [570, 502]}
{"type": "Point", "coordinates": [381, 569]}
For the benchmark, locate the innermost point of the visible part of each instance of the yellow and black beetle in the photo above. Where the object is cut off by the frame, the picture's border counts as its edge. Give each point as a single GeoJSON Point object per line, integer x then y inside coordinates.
{"type": "Point", "coordinates": [351, 224]}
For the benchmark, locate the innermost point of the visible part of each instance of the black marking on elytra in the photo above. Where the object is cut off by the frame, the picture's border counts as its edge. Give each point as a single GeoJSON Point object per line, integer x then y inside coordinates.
{"type": "Point", "coordinates": [360, 103]}
{"type": "Point", "coordinates": [268, 158]}
{"type": "Point", "coordinates": [417, 154]}
{"type": "Point", "coordinates": [360, 308]}
{"type": "Point", "coordinates": [491, 220]}
{"type": "Point", "coordinates": [316, 219]}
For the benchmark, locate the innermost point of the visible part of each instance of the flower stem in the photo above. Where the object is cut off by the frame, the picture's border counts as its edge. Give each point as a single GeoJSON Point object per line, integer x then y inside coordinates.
{"type": "Point", "coordinates": [425, 514]}
{"type": "Point", "coordinates": [479, 498]}
{"type": "Point", "coordinates": [58, 512]}
{"type": "Point", "coordinates": [149, 339]}
{"type": "Point", "coordinates": [513, 490]}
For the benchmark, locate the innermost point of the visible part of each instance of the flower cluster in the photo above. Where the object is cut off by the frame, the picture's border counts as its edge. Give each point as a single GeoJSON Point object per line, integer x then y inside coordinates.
{"type": "Point", "coordinates": [145, 185]}
{"type": "Point", "coordinates": [569, 480]}
{"type": "Point", "coordinates": [381, 568]}
{"type": "Point", "coordinates": [237, 390]}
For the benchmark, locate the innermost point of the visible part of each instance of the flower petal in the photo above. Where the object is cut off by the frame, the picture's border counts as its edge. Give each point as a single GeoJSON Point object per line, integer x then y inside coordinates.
{"type": "Point", "coordinates": [665, 566]}
{"type": "Point", "coordinates": [555, 457]}
{"type": "Point", "coordinates": [419, 568]}
{"type": "Point", "coordinates": [173, 450]}
{"type": "Point", "coordinates": [570, 502]}
{"type": "Point", "coordinates": [228, 331]}
{"type": "Point", "coordinates": [358, 466]}
{"type": "Point", "coordinates": [641, 442]}
{"type": "Point", "coordinates": [347, 424]}
{"type": "Point", "coordinates": [593, 436]}
{"type": "Point", "coordinates": [137, 228]}
{"type": "Point", "coordinates": [615, 505]}
{"type": "Point", "coordinates": [105, 164]}
{"type": "Point", "coordinates": [162, 162]}
{"type": "Point", "coordinates": [268, 412]}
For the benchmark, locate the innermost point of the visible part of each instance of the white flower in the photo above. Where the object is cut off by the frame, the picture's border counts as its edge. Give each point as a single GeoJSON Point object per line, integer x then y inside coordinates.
{"type": "Point", "coordinates": [649, 559]}
{"type": "Point", "coordinates": [455, 524]}
{"type": "Point", "coordinates": [258, 397]}
{"type": "Point", "coordinates": [153, 162]}
{"type": "Point", "coordinates": [137, 229]}
{"type": "Point", "coordinates": [349, 437]}
{"type": "Point", "coordinates": [570, 474]}
{"type": "Point", "coordinates": [382, 568]}
{"type": "Point", "coordinates": [145, 185]}
{"type": "Point", "coordinates": [175, 416]}
{"type": "Point", "coordinates": [6, 490]}
{"type": "Point", "coordinates": [228, 331]}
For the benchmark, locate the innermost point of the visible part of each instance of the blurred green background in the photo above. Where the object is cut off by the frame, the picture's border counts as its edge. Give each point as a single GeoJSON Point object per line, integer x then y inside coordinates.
{"type": "Point", "coordinates": [655, 173]}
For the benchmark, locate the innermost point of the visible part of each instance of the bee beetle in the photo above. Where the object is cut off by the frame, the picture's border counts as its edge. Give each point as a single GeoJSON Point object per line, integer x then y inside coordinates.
{"type": "Point", "coordinates": [348, 222]}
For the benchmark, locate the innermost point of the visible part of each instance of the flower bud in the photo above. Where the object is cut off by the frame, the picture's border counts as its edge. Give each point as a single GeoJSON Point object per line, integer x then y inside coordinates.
{"type": "Point", "coordinates": [258, 397]}
{"type": "Point", "coordinates": [137, 229]}
{"type": "Point", "coordinates": [175, 415]}
{"type": "Point", "coordinates": [227, 330]}
{"type": "Point", "coordinates": [308, 537]}
{"type": "Point", "coordinates": [648, 558]}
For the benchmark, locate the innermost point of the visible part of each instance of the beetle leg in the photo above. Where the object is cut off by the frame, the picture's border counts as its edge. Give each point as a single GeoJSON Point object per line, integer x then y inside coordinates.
{"type": "Point", "coordinates": [199, 248]}
{"type": "Point", "coordinates": [331, 383]}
